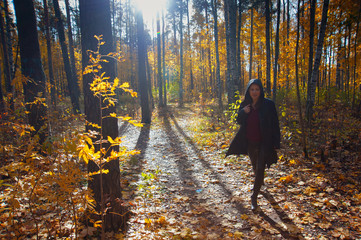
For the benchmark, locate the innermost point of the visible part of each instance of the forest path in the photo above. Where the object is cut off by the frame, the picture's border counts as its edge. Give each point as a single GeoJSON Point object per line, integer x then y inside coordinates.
{"type": "Point", "coordinates": [195, 195]}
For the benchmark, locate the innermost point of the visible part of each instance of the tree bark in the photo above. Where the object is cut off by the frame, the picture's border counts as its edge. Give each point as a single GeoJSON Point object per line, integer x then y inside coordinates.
{"type": "Point", "coordinates": [311, 39]}
{"type": "Point", "coordinates": [181, 55]}
{"type": "Point", "coordinates": [95, 20]}
{"type": "Point", "coordinates": [218, 72]}
{"type": "Point", "coordinates": [163, 51]}
{"type": "Point", "coordinates": [191, 61]}
{"type": "Point", "coordinates": [6, 62]}
{"type": "Point", "coordinates": [2, 102]}
{"type": "Point", "coordinates": [142, 78]}
{"type": "Point", "coordinates": [159, 61]}
{"type": "Point", "coordinates": [277, 50]}
{"type": "Point", "coordinates": [240, 82]}
{"type": "Point", "coordinates": [72, 82]}
{"type": "Point", "coordinates": [288, 44]}
{"type": "Point", "coordinates": [31, 66]}
{"type": "Point", "coordinates": [251, 47]}
{"type": "Point", "coordinates": [304, 143]}
{"type": "Point", "coordinates": [230, 9]}
{"type": "Point", "coordinates": [71, 47]}
{"type": "Point", "coordinates": [8, 25]}
{"type": "Point", "coordinates": [50, 57]}
{"type": "Point", "coordinates": [355, 61]}
{"type": "Point", "coordinates": [312, 85]}
{"type": "Point", "coordinates": [268, 48]}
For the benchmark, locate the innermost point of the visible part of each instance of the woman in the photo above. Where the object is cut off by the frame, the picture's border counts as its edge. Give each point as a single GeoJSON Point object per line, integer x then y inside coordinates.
{"type": "Point", "coordinates": [259, 134]}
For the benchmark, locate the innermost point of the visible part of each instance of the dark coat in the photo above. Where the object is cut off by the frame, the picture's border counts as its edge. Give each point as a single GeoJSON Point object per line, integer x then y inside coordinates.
{"type": "Point", "coordinates": [269, 127]}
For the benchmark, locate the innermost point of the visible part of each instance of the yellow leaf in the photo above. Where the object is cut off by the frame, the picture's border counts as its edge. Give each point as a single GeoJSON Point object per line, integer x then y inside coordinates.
{"type": "Point", "coordinates": [148, 222]}
{"type": "Point", "coordinates": [111, 103]}
{"type": "Point", "coordinates": [244, 216]}
{"type": "Point", "coordinates": [83, 153]}
{"type": "Point", "coordinates": [98, 224]}
{"type": "Point", "coordinates": [110, 140]}
{"type": "Point", "coordinates": [104, 171]}
{"type": "Point", "coordinates": [286, 179]}
{"type": "Point", "coordinates": [116, 82]}
{"type": "Point", "coordinates": [125, 85]}
{"type": "Point", "coordinates": [134, 94]}
{"type": "Point", "coordinates": [238, 235]}
{"type": "Point", "coordinates": [162, 220]}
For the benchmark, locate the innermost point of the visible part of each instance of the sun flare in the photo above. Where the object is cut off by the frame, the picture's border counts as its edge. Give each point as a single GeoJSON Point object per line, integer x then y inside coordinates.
{"type": "Point", "coordinates": [150, 8]}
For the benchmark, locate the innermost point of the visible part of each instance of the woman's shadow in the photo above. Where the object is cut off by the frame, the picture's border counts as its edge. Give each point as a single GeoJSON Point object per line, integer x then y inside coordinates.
{"type": "Point", "coordinates": [291, 231]}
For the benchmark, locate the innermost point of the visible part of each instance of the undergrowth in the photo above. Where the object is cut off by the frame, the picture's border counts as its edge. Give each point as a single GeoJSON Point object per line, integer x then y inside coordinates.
{"type": "Point", "coordinates": [44, 186]}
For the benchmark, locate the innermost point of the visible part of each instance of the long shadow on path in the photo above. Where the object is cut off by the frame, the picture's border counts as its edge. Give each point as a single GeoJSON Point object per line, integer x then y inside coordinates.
{"type": "Point", "coordinates": [286, 233]}
{"type": "Point", "coordinates": [186, 172]}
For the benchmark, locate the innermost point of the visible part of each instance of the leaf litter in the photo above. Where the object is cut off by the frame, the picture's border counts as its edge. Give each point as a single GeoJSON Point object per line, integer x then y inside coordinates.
{"type": "Point", "coordinates": [198, 194]}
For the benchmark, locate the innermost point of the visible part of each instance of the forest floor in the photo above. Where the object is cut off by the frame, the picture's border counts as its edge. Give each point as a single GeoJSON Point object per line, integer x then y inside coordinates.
{"type": "Point", "coordinates": [183, 187]}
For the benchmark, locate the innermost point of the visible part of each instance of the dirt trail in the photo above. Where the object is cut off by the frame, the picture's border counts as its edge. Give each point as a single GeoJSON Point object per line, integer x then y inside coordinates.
{"type": "Point", "coordinates": [195, 195]}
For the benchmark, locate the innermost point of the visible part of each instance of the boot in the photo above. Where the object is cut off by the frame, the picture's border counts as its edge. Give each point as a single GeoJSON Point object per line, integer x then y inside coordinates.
{"type": "Point", "coordinates": [254, 204]}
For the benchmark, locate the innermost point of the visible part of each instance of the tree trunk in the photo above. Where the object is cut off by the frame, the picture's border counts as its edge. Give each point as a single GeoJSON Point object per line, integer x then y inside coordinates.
{"type": "Point", "coordinates": [210, 74]}
{"type": "Point", "coordinates": [240, 83]}
{"type": "Point", "coordinates": [159, 61]}
{"type": "Point", "coordinates": [95, 20]}
{"type": "Point", "coordinates": [142, 78]}
{"type": "Point", "coordinates": [71, 48]}
{"type": "Point", "coordinates": [314, 76]}
{"type": "Point", "coordinates": [174, 23]}
{"type": "Point", "coordinates": [9, 25]}
{"type": "Point", "coordinates": [288, 44]}
{"type": "Point", "coordinates": [72, 83]}
{"type": "Point", "coordinates": [311, 39]}
{"type": "Point", "coordinates": [6, 62]}
{"type": "Point", "coordinates": [31, 66]}
{"type": "Point", "coordinates": [227, 28]}
{"type": "Point", "coordinates": [149, 82]}
{"type": "Point", "coordinates": [218, 72]}
{"type": "Point", "coordinates": [2, 102]}
{"type": "Point", "coordinates": [230, 9]}
{"type": "Point", "coordinates": [191, 61]}
{"type": "Point", "coordinates": [163, 51]}
{"type": "Point", "coordinates": [268, 48]}
{"type": "Point", "coordinates": [277, 50]}
{"type": "Point", "coordinates": [348, 62]}
{"type": "Point", "coordinates": [251, 47]}
{"type": "Point", "coordinates": [355, 61]}
{"type": "Point", "coordinates": [233, 48]}
{"type": "Point", "coordinates": [181, 56]}
{"type": "Point", "coordinates": [50, 58]}
{"type": "Point", "coordinates": [304, 143]}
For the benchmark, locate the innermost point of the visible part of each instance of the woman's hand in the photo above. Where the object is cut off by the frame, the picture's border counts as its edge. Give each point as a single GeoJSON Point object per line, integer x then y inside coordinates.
{"type": "Point", "coordinates": [247, 109]}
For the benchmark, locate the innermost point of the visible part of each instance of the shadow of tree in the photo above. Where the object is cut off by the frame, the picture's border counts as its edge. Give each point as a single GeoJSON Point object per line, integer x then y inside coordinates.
{"type": "Point", "coordinates": [190, 185]}
{"type": "Point", "coordinates": [142, 142]}
{"type": "Point", "coordinates": [290, 233]}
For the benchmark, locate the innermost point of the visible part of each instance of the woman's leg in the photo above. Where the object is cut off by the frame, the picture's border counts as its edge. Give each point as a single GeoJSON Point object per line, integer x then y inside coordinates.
{"type": "Point", "coordinates": [259, 179]}
{"type": "Point", "coordinates": [253, 152]}
{"type": "Point", "coordinates": [258, 166]}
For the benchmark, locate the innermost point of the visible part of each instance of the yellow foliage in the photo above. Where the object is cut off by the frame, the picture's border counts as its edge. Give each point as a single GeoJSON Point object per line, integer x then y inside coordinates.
{"type": "Point", "coordinates": [162, 220]}
{"type": "Point", "coordinates": [103, 171]}
{"type": "Point", "coordinates": [287, 179]}
{"type": "Point", "coordinates": [97, 224]}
